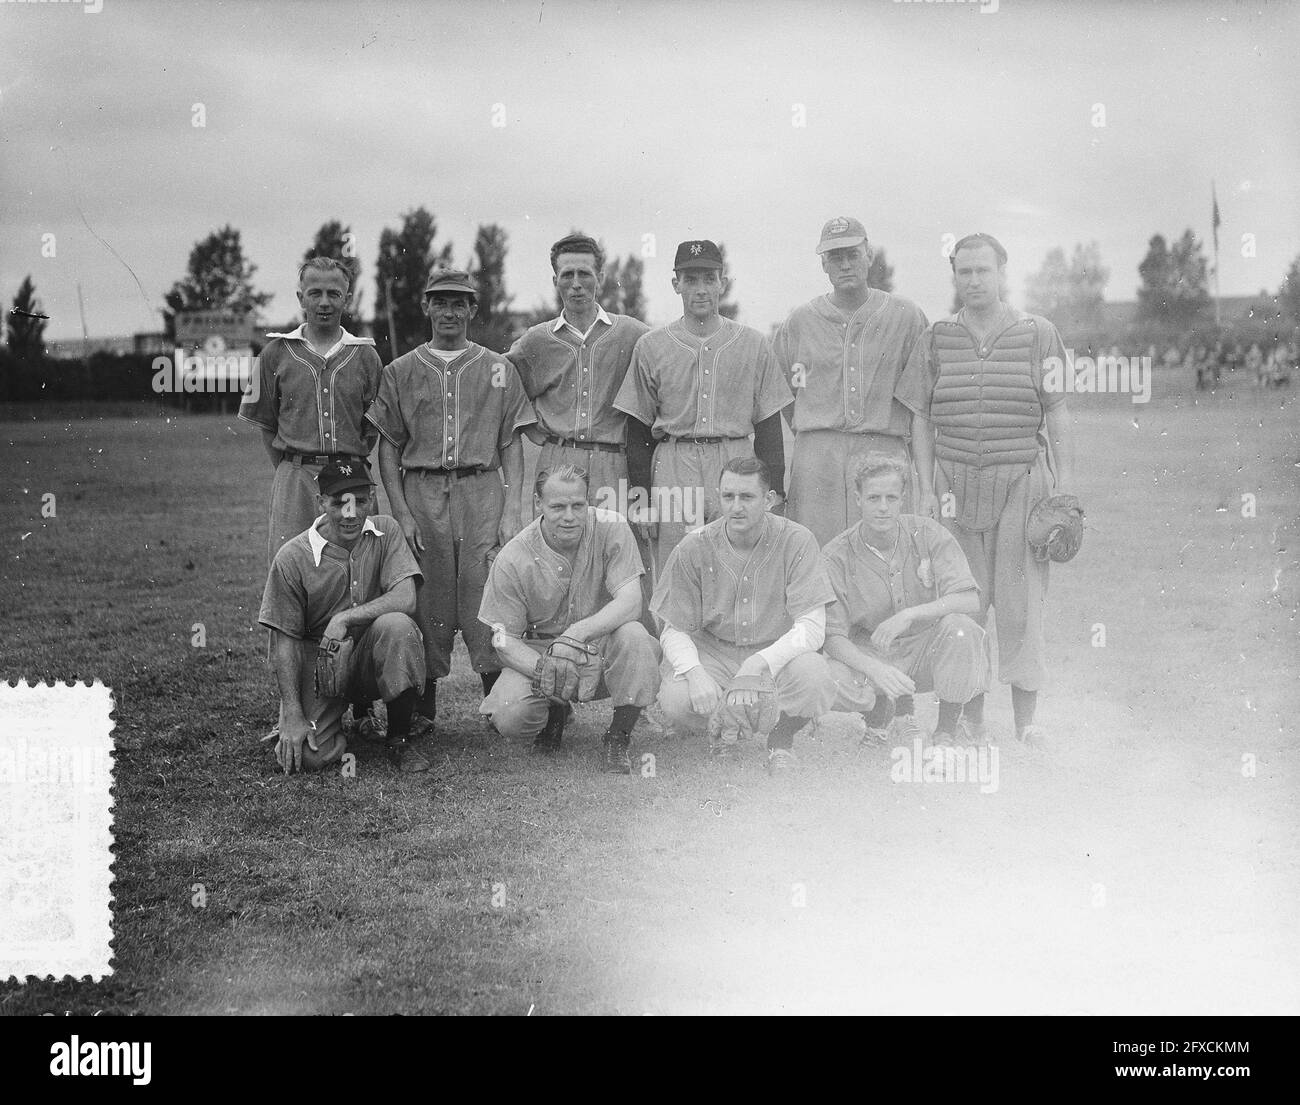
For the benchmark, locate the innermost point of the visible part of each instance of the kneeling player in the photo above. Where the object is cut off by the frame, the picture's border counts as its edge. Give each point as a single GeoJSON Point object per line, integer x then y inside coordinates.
{"type": "Point", "coordinates": [743, 604]}
{"type": "Point", "coordinates": [903, 616]}
{"type": "Point", "coordinates": [352, 577]}
{"type": "Point", "coordinates": [563, 599]}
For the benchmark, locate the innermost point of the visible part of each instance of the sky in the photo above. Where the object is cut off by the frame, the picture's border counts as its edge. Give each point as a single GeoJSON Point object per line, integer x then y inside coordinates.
{"type": "Point", "coordinates": [1044, 123]}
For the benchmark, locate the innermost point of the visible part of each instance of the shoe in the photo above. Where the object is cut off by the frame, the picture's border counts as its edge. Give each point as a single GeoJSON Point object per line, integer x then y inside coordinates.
{"type": "Point", "coordinates": [410, 757]}
{"type": "Point", "coordinates": [372, 728]}
{"type": "Point", "coordinates": [780, 762]}
{"type": "Point", "coordinates": [971, 732]}
{"type": "Point", "coordinates": [1035, 737]}
{"type": "Point", "coordinates": [905, 729]}
{"type": "Point", "coordinates": [549, 739]}
{"type": "Point", "coordinates": [617, 759]}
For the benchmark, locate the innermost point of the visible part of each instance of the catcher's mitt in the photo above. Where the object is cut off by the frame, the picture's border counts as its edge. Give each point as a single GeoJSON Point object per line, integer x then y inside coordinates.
{"type": "Point", "coordinates": [1055, 528]}
{"type": "Point", "coordinates": [732, 722]}
{"type": "Point", "coordinates": [570, 671]}
{"type": "Point", "coordinates": [333, 667]}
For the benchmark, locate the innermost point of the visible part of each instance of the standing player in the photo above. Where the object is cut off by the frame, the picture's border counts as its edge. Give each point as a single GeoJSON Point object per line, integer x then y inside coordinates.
{"type": "Point", "coordinates": [449, 414]}
{"type": "Point", "coordinates": [699, 388]}
{"type": "Point", "coordinates": [974, 385]}
{"type": "Point", "coordinates": [741, 599]}
{"type": "Point", "coordinates": [842, 354]}
{"type": "Point", "coordinates": [901, 621]}
{"type": "Point", "coordinates": [350, 575]}
{"type": "Point", "coordinates": [314, 385]}
{"type": "Point", "coordinates": [573, 573]}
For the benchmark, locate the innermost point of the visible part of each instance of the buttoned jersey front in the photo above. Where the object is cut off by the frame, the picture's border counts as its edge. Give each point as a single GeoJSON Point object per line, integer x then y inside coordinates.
{"type": "Point", "coordinates": [572, 380]}
{"type": "Point", "coordinates": [313, 579]}
{"type": "Point", "coordinates": [456, 415]}
{"type": "Point", "coordinates": [843, 366]}
{"type": "Point", "coordinates": [534, 588]}
{"type": "Point", "coordinates": [313, 403]}
{"type": "Point", "coordinates": [744, 597]}
{"type": "Point", "coordinates": [925, 564]}
{"type": "Point", "coordinates": [719, 386]}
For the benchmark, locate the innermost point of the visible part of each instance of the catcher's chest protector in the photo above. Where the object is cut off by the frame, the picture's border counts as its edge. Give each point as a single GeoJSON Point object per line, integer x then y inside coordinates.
{"type": "Point", "coordinates": [985, 409]}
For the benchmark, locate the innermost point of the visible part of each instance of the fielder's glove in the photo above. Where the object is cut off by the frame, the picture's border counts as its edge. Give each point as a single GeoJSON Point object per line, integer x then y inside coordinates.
{"type": "Point", "coordinates": [1055, 528]}
{"type": "Point", "coordinates": [569, 672]}
{"type": "Point", "coordinates": [333, 667]}
{"type": "Point", "coordinates": [732, 722]}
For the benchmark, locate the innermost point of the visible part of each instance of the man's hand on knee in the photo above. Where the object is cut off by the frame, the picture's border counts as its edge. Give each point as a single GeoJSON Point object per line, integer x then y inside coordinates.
{"type": "Point", "coordinates": [288, 751]}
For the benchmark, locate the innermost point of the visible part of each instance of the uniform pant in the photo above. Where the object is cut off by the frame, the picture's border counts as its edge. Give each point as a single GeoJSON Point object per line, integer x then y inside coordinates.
{"type": "Point", "coordinates": [459, 518]}
{"type": "Point", "coordinates": [803, 686]}
{"type": "Point", "coordinates": [684, 487]}
{"type": "Point", "coordinates": [949, 657]}
{"type": "Point", "coordinates": [387, 660]}
{"type": "Point", "coordinates": [1011, 580]}
{"type": "Point", "coordinates": [631, 678]}
{"type": "Point", "coordinates": [823, 495]}
{"type": "Point", "coordinates": [293, 502]}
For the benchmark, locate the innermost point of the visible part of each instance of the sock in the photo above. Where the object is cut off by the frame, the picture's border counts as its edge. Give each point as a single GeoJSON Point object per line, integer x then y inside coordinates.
{"type": "Point", "coordinates": [1023, 704]}
{"type": "Point", "coordinates": [400, 710]}
{"type": "Point", "coordinates": [949, 712]}
{"type": "Point", "coordinates": [625, 719]}
{"type": "Point", "coordinates": [428, 704]}
{"type": "Point", "coordinates": [973, 711]}
{"type": "Point", "coordinates": [903, 706]}
{"type": "Point", "coordinates": [556, 716]}
{"type": "Point", "coordinates": [360, 707]}
{"type": "Point", "coordinates": [881, 714]}
{"type": "Point", "coordinates": [489, 679]}
{"type": "Point", "coordinates": [782, 736]}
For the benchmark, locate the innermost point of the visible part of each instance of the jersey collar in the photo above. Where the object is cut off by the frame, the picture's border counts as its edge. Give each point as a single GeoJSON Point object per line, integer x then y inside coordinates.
{"type": "Point", "coordinates": [300, 334]}
{"type": "Point", "coordinates": [318, 542]}
{"type": "Point", "coordinates": [561, 322]}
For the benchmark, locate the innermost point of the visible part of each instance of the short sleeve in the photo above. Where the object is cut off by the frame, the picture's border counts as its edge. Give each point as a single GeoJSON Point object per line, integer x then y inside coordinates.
{"type": "Point", "coordinates": [284, 599]}
{"type": "Point", "coordinates": [916, 382]}
{"type": "Point", "coordinates": [386, 411]}
{"type": "Point", "coordinates": [771, 392]}
{"type": "Point", "coordinates": [503, 598]}
{"type": "Point", "coordinates": [806, 583]}
{"type": "Point", "coordinates": [837, 613]}
{"type": "Point", "coordinates": [517, 357]}
{"type": "Point", "coordinates": [622, 560]}
{"type": "Point", "coordinates": [262, 407]}
{"type": "Point", "coordinates": [374, 368]}
{"type": "Point", "coordinates": [399, 562]}
{"type": "Point", "coordinates": [677, 597]}
{"type": "Point", "coordinates": [518, 411]}
{"type": "Point", "coordinates": [636, 396]}
{"type": "Point", "coordinates": [952, 573]}
{"type": "Point", "coordinates": [1050, 345]}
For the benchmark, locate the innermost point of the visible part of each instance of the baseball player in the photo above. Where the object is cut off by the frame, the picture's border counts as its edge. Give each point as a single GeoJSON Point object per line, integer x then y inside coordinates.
{"type": "Point", "coordinates": [981, 424]}
{"type": "Point", "coordinates": [741, 600]}
{"type": "Point", "coordinates": [314, 385]}
{"type": "Point", "coordinates": [695, 392]}
{"type": "Point", "coordinates": [569, 585]}
{"type": "Point", "coordinates": [349, 575]}
{"type": "Point", "coordinates": [842, 354]}
{"type": "Point", "coordinates": [903, 616]}
{"type": "Point", "coordinates": [449, 415]}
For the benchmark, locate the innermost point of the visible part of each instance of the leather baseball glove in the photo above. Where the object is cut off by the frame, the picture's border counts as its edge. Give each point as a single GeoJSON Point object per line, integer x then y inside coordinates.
{"type": "Point", "coordinates": [732, 722]}
{"type": "Point", "coordinates": [570, 671]}
{"type": "Point", "coordinates": [1055, 528]}
{"type": "Point", "coordinates": [333, 667]}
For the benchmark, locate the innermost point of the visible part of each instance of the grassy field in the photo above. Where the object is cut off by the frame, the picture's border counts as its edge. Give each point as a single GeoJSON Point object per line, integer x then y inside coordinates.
{"type": "Point", "coordinates": [1136, 871]}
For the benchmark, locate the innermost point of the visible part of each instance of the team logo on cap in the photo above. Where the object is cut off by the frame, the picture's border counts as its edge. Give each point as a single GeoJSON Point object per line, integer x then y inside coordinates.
{"type": "Point", "coordinates": [837, 226]}
{"type": "Point", "coordinates": [696, 249]}
{"type": "Point", "coordinates": [345, 469]}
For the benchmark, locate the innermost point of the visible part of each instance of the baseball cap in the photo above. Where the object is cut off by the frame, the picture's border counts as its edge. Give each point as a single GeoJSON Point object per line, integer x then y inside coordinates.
{"type": "Point", "coordinates": [343, 475]}
{"type": "Point", "coordinates": [699, 254]}
{"type": "Point", "coordinates": [451, 280]}
{"type": "Point", "coordinates": [841, 232]}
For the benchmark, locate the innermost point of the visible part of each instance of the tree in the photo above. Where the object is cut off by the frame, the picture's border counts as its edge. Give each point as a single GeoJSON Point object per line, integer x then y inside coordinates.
{"type": "Point", "coordinates": [727, 307]}
{"type": "Point", "coordinates": [1071, 295]}
{"type": "Point", "coordinates": [1173, 289]}
{"type": "Point", "coordinates": [405, 258]}
{"type": "Point", "coordinates": [26, 338]}
{"type": "Point", "coordinates": [1288, 295]}
{"type": "Point", "coordinates": [492, 325]}
{"type": "Point", "coordinates": [881, 273]}
{"type": "Point", "coordinates": [218, 278]}
{"type": "Point", "coordinates": [623, 292]}
{"type": "Point", "coordinates": [1048, 290]}
{"type": "Point", "coordinates": [1088, 279]}
{"type": "Point", "coordinates": [335, 240]}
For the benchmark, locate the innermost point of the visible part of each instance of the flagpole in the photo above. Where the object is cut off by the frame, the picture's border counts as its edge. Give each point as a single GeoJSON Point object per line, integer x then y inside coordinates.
{"type": "Point", "coordinates": [1214, 199]}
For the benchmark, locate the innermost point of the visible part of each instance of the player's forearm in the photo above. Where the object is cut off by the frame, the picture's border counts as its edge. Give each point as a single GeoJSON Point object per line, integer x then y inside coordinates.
{"type": "Point", "coordinates": [806, 635]}
{"type": "Point", "coordinates": [923, 453]}
{"type": "Point", "coordinates": [769, 447]}
{"type": "Point", "coordinates": [535, 434]}
{"type": "Point", "coordinates": [390, 474]}
{"type": "Point", "coordinates": [679, 650]}
{"type": "Point", "coordinates": [624, 607]}
{"type": "Point", "coordinates": [960, 602]}
{"type": "Point", "coordinates": [640, 453]}
{"type": "Point", "coordinates": [1062, 440]}
{"type": "Point", "coordinates": [268, 437]}
{"type": "Point", "coordinates": [847, 653]}
{"type": "Point", "coordinates": [286, 662]}
{"type": "Point", "coordinates": [400, 600]}
{"type": "Point", "coordinates": [514, 653]}
{"type": "Point", "coordinates": [512, 472]}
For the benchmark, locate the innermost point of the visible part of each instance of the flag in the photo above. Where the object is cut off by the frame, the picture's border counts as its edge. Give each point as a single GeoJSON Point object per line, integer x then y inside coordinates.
{"type": "Point", "coordinates": [1214, 218]}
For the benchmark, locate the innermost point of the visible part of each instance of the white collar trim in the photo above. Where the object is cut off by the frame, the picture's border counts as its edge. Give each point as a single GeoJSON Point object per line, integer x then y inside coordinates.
{"type": "Point", "coordinates": [318, 542]}
{"type": "Point", "coordinates": [561, 322]}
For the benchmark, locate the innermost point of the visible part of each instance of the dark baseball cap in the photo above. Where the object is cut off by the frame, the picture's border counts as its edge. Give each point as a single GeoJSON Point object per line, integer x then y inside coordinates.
{"type": "Point", "coordinates": [451, 280]}
{"type": "Point", "coordinates": [343, 474]}
{"type": "Point", "coordinates": [699, 254]}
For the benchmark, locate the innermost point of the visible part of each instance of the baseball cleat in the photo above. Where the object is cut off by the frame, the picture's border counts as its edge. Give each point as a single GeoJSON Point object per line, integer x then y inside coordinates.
{"type": "Point", "coordinates": [410, 757]}
{"type": "Point", "coordinates": [971, 732]}
{"type": "Point", "coordinates": [874, 737]}
{"type": "Point", "coordinates": [617, 760]}
{"type": "Point", "coordinates": [373, 728]}
{"type": "Point", "coordinates": [1035, 737]}
{"type": "Point", "coordinates": [905, 729]}
{"type": "Point", "coordinates": [780, 762]}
